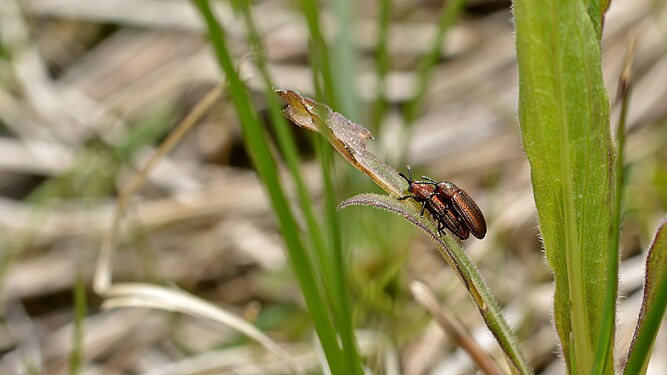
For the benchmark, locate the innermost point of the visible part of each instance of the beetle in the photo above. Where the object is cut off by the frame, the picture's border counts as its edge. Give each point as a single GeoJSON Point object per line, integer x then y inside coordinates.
{"type": "Point", "coordinates": [448, 218]}
{"type": "Point", "coordinates": [464, 205]}
{"type": "Point", "coordinates": [444, 213]}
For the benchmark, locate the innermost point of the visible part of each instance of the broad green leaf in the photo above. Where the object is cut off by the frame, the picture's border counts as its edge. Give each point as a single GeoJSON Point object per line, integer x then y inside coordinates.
{"type": "Point", "coordinates": [596, 10]}
{"type": "Point", "coordinates": [653, 304]}
{"type": "Point", "coordinates": [564, 117]}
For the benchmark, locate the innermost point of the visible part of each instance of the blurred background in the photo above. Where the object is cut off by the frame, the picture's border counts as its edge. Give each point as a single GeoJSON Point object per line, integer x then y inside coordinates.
{"type": "Point", "coordinates": [90, 89]}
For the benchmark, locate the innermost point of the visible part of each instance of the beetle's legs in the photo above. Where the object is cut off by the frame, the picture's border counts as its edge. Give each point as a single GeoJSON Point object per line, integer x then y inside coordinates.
{"type": "Point", "coordinates": [423, 208]}
{"type": "Point", "coordinates": [441, 226]}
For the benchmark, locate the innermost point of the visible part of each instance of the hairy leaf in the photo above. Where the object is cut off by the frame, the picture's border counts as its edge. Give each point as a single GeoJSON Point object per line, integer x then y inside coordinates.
{"type": "Point", "coordinates": [564, 116]}
{"type": "Point", "coordinates": [653, 304]}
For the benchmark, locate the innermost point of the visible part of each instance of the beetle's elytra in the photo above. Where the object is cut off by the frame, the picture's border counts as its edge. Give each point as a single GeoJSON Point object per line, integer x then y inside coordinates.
{"type": "Point", "coordinates": [449, 205]}
{"type": "Point", "coordinates": [463, 204]}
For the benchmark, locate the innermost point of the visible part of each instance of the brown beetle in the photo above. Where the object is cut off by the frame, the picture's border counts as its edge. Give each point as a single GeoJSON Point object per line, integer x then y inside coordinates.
{"type": "Point", "coordinates": [425, 192]}
{"type": "Point", "coordinates": [464, 205]}
{"type": "Point", "coordinates": [449, 218]}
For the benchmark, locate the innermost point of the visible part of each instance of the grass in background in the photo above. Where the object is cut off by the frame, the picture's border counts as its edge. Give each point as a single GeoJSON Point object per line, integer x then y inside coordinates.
{"type": "Point", "coordinates": [450, 13]}
{"type": "Point", "coordinates": [80, 313]}
{"type": "Point", "coordinates": [318, 256]}
{"type": "Point", "coordinates": [370, 291]}
{"type": "Point", "coordinates": [323, 287]}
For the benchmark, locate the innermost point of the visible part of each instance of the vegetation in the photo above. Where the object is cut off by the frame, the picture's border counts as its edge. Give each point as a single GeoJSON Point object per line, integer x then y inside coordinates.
{"type": "Point", "coordinates": [151, 163]}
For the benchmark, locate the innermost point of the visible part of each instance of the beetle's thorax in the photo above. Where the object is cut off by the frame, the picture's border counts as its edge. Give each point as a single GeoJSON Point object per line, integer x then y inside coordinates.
{"type": "Point", "coordinates": [421, 192]}
{"type": "Point", "coordinates": [447, 188]}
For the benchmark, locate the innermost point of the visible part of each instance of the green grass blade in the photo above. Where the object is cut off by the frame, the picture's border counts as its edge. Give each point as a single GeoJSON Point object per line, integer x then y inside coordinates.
{"type": "Point", "coordinates": [336, 88]}
{"type": "Point", "coordinates": [285, 139]}
{"type": "Point", "coordinates": [343, 57]}
{"type": "Point", "coordinates": [337, 260]}
{"type": "Point", "coordinates": [603, 357]}
{"type": "Point", "coordinates": [319, 55]}
{"type": "Point", "coordinates": [76, 357]}
{"type": "Point", "coordinates": [332, 268]}
{"type": "Point", "coordinates": [257, 146]}
{"type": "Point", "coordinates": [596, 10]}
{"type": "Point", "coordinates": [382, 63]}
{"type": "Point", "coordinates": [653, 305]}
{"type": "Point", "coordinates": [450, 13]}
{"type": "Point", "coordinates": [564, 116]}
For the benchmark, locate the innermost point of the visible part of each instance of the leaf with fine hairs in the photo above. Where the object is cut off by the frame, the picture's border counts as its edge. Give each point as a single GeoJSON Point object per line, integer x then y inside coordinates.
{"type": "Point", "coordinates": [565, 130]}
{"type": "Point", "coordinates": [653, 303]}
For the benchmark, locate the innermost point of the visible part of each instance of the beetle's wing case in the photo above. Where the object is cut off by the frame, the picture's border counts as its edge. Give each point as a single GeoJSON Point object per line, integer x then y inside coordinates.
{"type": "Point", "coordinates": [465, 206]}
{"type": "Point", "coordinates": [470, 213]}
{"type": "Point", "coordinates": [447, 217]}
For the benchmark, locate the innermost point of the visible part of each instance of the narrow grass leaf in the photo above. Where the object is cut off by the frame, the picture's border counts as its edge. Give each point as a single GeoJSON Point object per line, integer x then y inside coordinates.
{"type": "Point", "coordinates": [450, 13]}
{"type": "Point", "coordinates": [333, 267]}
{"type": "Point", "coordinates": [80, 312]}
{"type": "Point", "coordinates": [564, 117]}
{"type": "Point", "coordinates": [343, 56]}
{"type": "Point", "coordinates": [337, 263]}
{"type": "Point", "coordinates": [319, 55]}
{"type": "Point", "coordinates": [264, 161]}
{"type": "Point", "coordinates": [653, 305]}
{"type": "Point", "coordinates": [607, 328]}
{"type": "Point", "coordinates": [382, 64]}
{"type": "Point", "coordinates": [339, 81]}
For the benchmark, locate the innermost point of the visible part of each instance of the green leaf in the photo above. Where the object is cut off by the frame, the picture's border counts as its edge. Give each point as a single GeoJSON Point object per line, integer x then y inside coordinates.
{"type": "Point", "coordinates": [564, 117]}
{"type": "Point", "coordinates": [653, 305]}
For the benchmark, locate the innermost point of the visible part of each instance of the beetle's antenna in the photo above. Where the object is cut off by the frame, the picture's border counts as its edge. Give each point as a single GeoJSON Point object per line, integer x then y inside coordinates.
{"type": "Point", "coordinates": [429, 179]}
